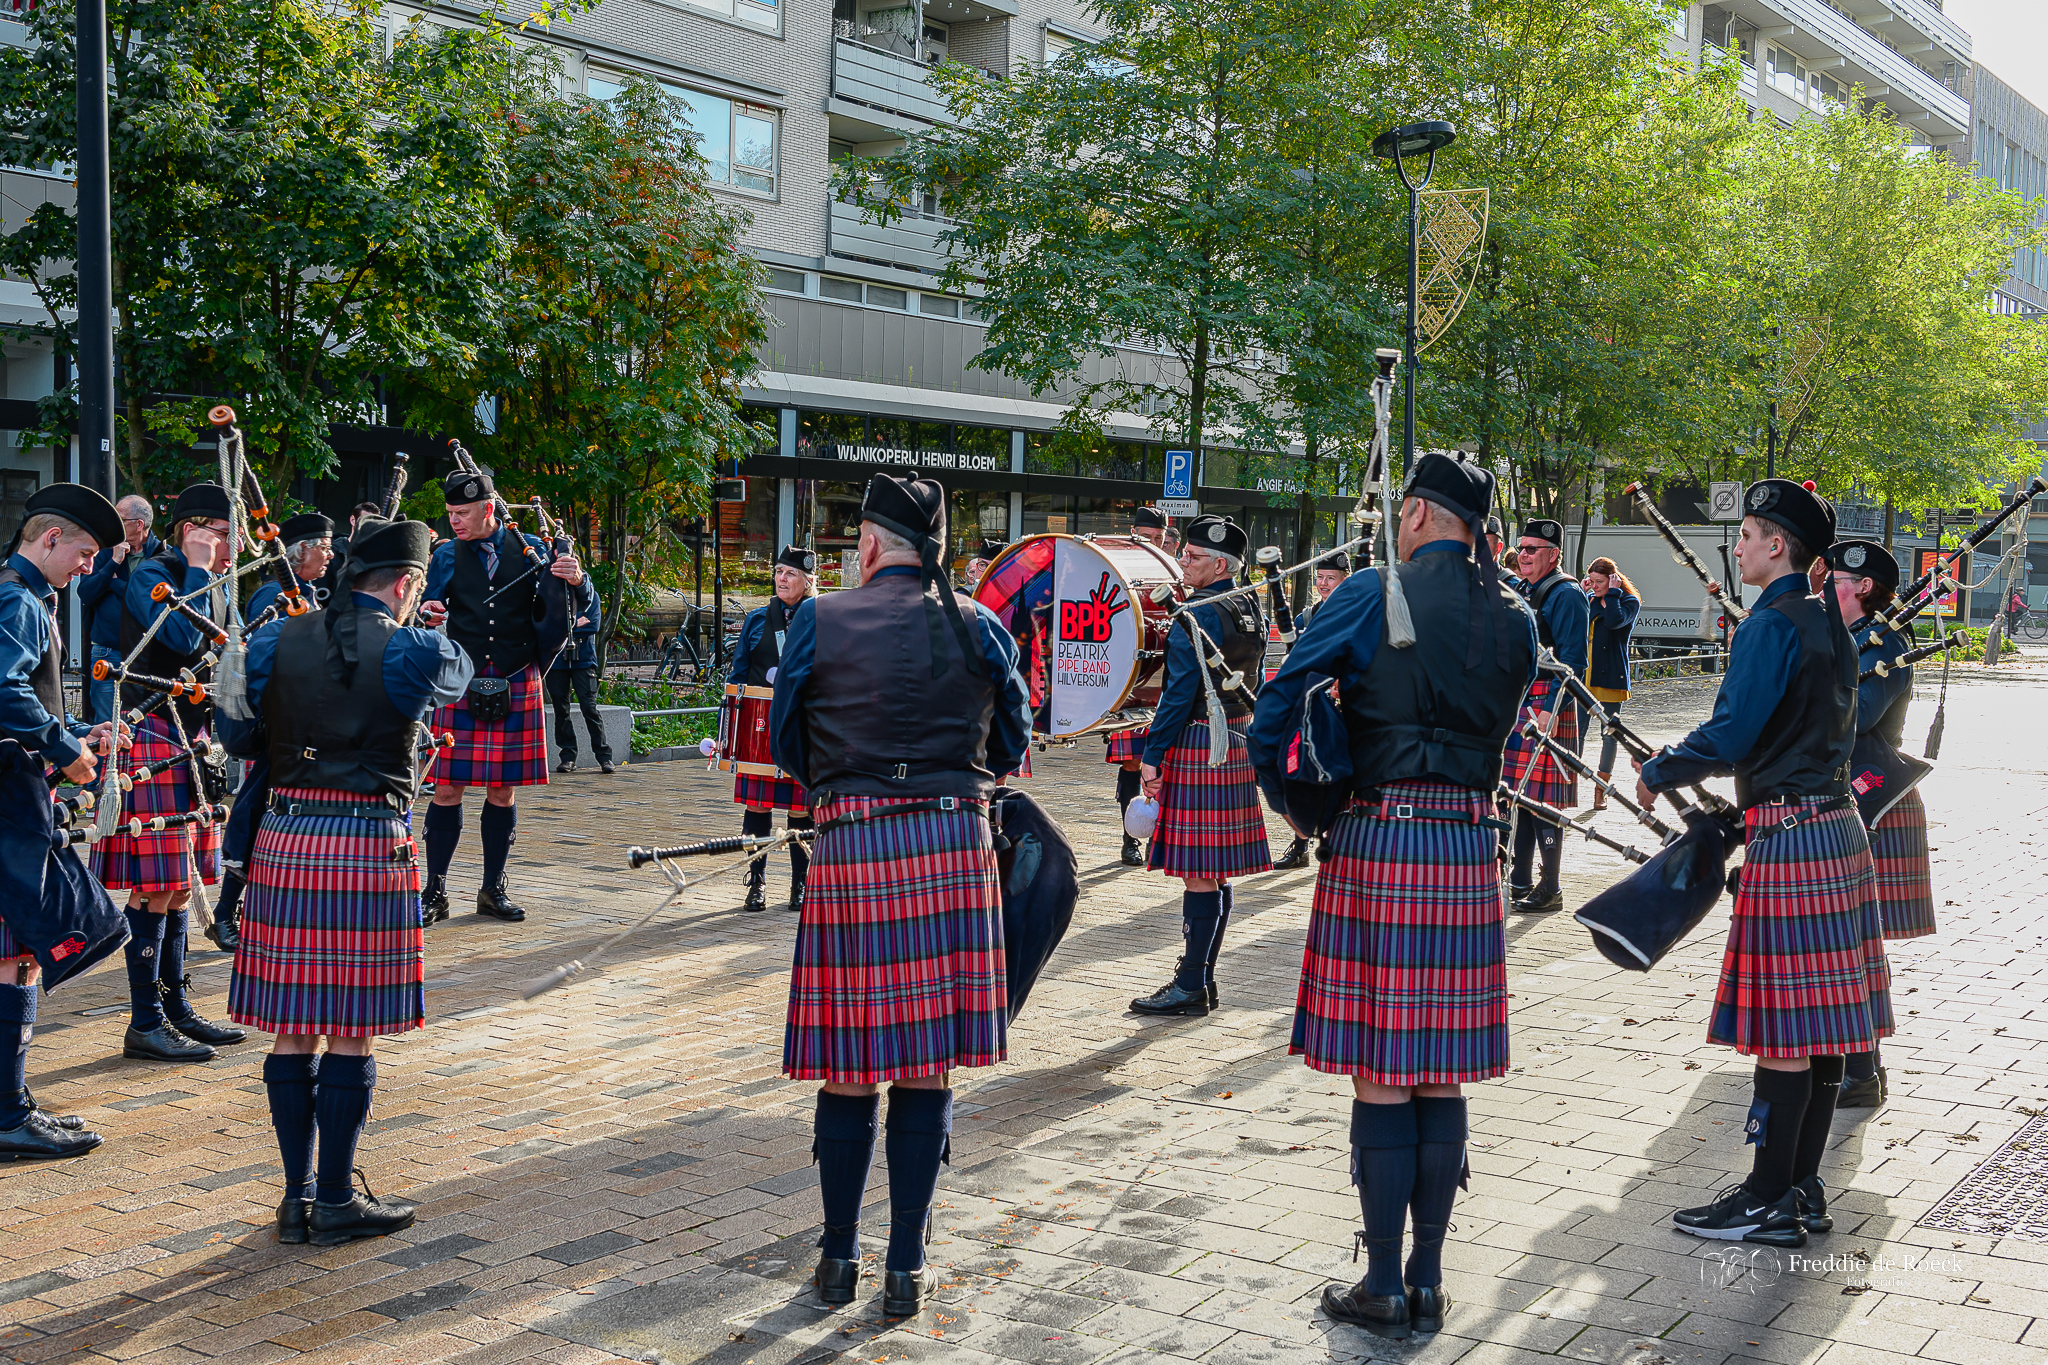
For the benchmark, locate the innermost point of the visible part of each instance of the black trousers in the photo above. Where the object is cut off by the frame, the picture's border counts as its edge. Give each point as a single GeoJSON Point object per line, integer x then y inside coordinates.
{"type": "Point", "coordinates": [584, 680]}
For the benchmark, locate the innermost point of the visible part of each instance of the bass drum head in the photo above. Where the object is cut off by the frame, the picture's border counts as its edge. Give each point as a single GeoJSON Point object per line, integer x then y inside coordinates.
{"type": "Point", "coordinates": [1074, 616]}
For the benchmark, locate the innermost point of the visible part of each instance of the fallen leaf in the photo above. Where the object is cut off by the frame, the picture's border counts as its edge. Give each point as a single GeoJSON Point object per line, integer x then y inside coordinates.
{"type": "Point", "coordinates": [1226, 1094]}
{"type": "Point", "coordinates": [1855, 1289]}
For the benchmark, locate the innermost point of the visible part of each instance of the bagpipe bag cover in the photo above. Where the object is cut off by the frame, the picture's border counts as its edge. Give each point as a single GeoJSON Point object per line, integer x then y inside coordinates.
{"type": "Point", "coordinates": [51, 904]}
{"type": "Point", "coordinates": [1641, 917]}
{"type": "Point", "coordinates": [1040, 888]}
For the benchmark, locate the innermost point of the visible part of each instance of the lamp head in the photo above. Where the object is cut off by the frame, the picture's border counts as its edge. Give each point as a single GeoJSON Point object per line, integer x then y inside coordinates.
{"type": "Point", "coordinates": [1415, 139]}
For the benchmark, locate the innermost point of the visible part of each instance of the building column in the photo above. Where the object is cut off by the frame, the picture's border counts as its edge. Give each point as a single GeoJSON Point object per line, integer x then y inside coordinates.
{"type": "Point", "coordinates": [785, 489]}
{"type": "Point", "coordinates": [1016, 496]}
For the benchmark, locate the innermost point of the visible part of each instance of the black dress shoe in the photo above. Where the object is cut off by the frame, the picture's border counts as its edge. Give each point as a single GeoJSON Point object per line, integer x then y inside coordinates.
{"type": "Point", "coordinates": [567, 765]}
{"type": "Point", "coordinates": [1215, 997]}
{"type": "Point", "coordinates": [757, 896]}
{"type": "Point", "coordinates": [904, 1291]}
{"type": "Point", "coordinates": [1867, 1093]}
{"type": "Point", "coordinates": [1383, 1315]}
{"type": "Point", "coordinates": [1173, 999]}
{"type": "Point", "coordinates": [163, 1044]}
{"type": "Point", "coordinates": [1541, 902]}
{"type": "Point", "coordinates": [838, 1280]}
{"type": "Point", "coordinates": [796, 898]}
{"type": "Point", "coordinates": [433, 902]}
{"type": "Point", "coordinates": [206, 1031]}
{"type": "Point", "coordinates": [226, 933]}
{"type": "Point", "coordinates": [1811, 1194]}
{"type": "Point", "coordinates": [70, 1123]}
{"type": "Point", "coordinates": [493, 903]}
{"type": "Point", "coordinates": [1134, 852]}
{"type": "Point", "coordinates": [605, 765]}
{"type": "Point", "coordinates": [294, 1217]}
{"type": "Point", "coordinates": [1295, 856]}
{"type": "Point", "coordinates": [35, 1138]}
{"type": "Point", "coordinates": [1426, 1308]}
{"type": "Point", "coordinates": [364, 1215]}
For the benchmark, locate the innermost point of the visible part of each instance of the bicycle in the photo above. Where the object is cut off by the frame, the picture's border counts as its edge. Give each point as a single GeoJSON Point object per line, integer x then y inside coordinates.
{"type": "Point", "coordinates": [682, 652]}
{"type": "Point", "coordinates": [2031, 626]}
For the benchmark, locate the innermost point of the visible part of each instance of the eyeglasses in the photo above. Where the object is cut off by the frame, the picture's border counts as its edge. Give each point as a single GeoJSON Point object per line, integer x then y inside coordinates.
{"type": "Point", "coordinates": [1539, 545]}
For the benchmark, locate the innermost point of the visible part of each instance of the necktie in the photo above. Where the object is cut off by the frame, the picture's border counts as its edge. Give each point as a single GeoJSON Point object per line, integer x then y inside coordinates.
{"type": "Point", "coordinates": [490, 554]}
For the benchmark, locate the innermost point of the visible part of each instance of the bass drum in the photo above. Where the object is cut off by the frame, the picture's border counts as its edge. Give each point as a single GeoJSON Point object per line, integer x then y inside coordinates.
{"type": "Point", "coordinates": [1091, 638]}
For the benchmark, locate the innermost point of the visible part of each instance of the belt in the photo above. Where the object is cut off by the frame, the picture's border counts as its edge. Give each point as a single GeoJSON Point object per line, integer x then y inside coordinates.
{"type": "Point", "coordinates": [285, 805]}
{"type": "Point", "coordinates": [856, 817]}
{"type": "Point", "coordinates": [1796, 817]}
{"type": "Point", "coordinates": [1402, 811]}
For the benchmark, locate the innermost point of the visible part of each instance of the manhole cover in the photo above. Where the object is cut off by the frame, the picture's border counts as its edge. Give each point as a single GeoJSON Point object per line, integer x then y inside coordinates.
{"type": "Point", "coordinates": [2007, 1196]}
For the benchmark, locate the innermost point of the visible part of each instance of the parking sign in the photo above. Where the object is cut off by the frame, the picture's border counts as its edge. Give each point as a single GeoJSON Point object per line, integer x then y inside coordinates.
{"type": "Point", "coordinates": [1180, 474]}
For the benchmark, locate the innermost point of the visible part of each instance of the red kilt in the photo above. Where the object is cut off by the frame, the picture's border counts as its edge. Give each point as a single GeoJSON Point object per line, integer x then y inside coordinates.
{"type": "Point", "coordinates": [9, 949]}
{"type": "Point", "coordinates": [512, 752]}
{"type": "Point", "coordinates": [1550, 783]}
{"type": "Point", "coordinates": [1805, 970]}
{"type": "Point", "coordinates": [157, 861]}
{"type": "Point", "coordinates": [899, 966]}
{"type": "Point", "coordinates": [1125, 746]}
{"type": "Point", "coordinates": [331, 937]}
{"type": "Point", "coordinates": [1404, 979]}
{"type": "Point", "coordinates": [1210, 821]}
{"type": "Point", "coordinates": [770, 793]}
{"type": "Point", "coordinates": [1023, 769]}
{"type": "Point", "coordinates": [1905, 881]}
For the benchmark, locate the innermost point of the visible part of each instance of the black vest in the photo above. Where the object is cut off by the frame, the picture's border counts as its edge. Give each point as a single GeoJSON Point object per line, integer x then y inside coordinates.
{"type": "Point", "coordinates": [47, 681]}
{"type": "Point", "coordinates": [767, 651]}
{"type": "Point", "coordinates": [1538, 594]}
{"type": "Point", "coordinates": [159, 659]}
{"type": "Point", "coordinates": [873, 709]}
{"type": "Point", "coordinates": [1242, 642]}
{"type": "Point", "coordinates": [1891, 726]}
{"type": "Point", "coordinates": [1804, 747]}
{"type": "Point", "coordinates": [328, 734]}
{"type": "Point", "coordinates": [1421, 713]}
{"type": "Point", "coordinates": [493, 619]}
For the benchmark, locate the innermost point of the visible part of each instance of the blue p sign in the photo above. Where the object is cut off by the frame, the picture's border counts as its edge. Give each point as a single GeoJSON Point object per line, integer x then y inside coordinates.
{"type": "Point", "coordinates": [1180, 474]}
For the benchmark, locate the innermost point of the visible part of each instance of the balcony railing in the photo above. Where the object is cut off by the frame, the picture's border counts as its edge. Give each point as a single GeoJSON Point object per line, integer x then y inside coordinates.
{"type": "Point", "coordinates": [1867, 50]}
{"type": "Point", "coordinates": [911, 243]}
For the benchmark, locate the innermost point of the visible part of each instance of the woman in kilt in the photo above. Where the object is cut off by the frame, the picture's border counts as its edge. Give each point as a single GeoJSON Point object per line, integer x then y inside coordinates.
{"type": "Point", "coordinates": [1125, 749]}
{"type": "Point", "coordinates": [331, 937]}
{"type": "Point", "coordinates": [762, 636]}
{"type": "Point", "coordinates": [158, 867]}
{"type": "Point", "coordinates": [1564, 625]}
{"type": "Point", "coordinates": [1404, 979]}
{"type": "Point", "coordinates": [1211, 827]}
{"type": "Point", "coordinates": [1864, 575]}
{"type": "Point", "coordinates": [1803, 980]}
{"type": "Point", "coordinates": [899, 970]}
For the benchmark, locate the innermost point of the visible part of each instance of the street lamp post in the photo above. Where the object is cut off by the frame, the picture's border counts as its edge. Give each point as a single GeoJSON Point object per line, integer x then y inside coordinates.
{"type": "Point", "coordinates": [95, 355]}
{"type": "Point", "coordinates": [1398, 145]}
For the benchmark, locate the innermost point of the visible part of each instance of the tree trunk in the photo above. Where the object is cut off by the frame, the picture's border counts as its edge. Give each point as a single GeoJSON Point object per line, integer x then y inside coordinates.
{"type": "Point", "coordinates": [1889, 519]}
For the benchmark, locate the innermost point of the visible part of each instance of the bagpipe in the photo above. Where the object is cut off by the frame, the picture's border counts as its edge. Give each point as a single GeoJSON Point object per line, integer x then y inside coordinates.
{"type": "Point", "coordinates": [52, 906]}
{"type": "Point", "coordinates": [1927, 589]}
{"type": "Point", "coordinates": [387, 506]}
{"type": "Point", "coordinates": [184, 688]}
{"type": "Point", "coordinates": [1276, 593]}
{"type": "Point", "coordinates": [554, 616]}
{"type": "Point", "coordinates": [1884, 668]}
{"type": "Point", "coordinates": [256, 507]}
{"type": "Point", "coordinates": [1682, 553]}
{"type": "Point", "coordinates": [1563, 820]}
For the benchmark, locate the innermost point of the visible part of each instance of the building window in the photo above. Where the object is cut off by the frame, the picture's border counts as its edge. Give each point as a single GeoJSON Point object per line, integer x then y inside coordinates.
{"type": "Point", "coordinates": [737, 140]}
{"type": "Point", "coordinates": [879, 297]}
{"type": "Point", "coordinates": [846, 291]}
{"type": "Point", "coordinates": [937, 306]}
{"type": "Point", "coordinates": [788, 281]}
{"type": "Point", "coordinates": [1783, 72]}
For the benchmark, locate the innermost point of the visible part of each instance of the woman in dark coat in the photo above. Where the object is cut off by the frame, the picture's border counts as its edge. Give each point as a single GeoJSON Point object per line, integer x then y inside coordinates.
{"type": "Point", "coordinates": [1615, 605]}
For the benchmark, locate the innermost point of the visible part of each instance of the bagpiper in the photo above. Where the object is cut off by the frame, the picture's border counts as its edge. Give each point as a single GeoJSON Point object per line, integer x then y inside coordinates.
{"type": "Point", "coordinates": [308, 541]}
{"type": "Point", "coordinates": [1564, 624]}
{"type": "Point", "coordinates": [332, 943]}
{"type": "Point", "coordinates": [1211, 826]}
{"type": "Point", "coordinates": [64, 525]}
{"type": "Point", "coordinates": [1404, 978]}
{"type": "Point", "coordinates": [896, 704]}
{"type": "Point", "coordinates": [1804, 978]}
{"type": "Point", "coordinates": [1124, 749]}
{"type": "Point", "coordinates": [1330, 575]}
{"type": "Point", "coordinates": [755, 664]}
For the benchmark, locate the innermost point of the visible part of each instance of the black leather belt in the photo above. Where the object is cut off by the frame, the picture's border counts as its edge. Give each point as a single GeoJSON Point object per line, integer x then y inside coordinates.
{"type": "Point", "coordinates": [1403, 811]}
{"type": "Point", "coordinates": [356, 810]}
{"type": "Point", "coordinates": [1797, 813]}
{"type": "Point", "coordinates": [856, 817]}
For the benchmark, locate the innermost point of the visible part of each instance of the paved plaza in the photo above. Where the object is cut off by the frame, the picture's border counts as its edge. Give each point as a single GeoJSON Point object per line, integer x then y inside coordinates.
{"type": "Point", "coordinates": [618, 1170]}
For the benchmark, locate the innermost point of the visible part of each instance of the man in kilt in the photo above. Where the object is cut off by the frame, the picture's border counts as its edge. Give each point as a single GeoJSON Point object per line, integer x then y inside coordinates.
{"type": "Point", "coordinates": [63, 526]}
{"type": "Point", "coordinates": [1330, 575]}
{"type": "Point", "coordinates": [899, 972]}
{"type": "Point", "coordinates": [1864, 576]}
{"type": "Point", "coordinates": [1211, 826]}
{"type": "Point", "coordinates": [331, 937]}
{"type": "Point", "coordinates": [1404, 979]}
{"type": "Point", "coordinates": [308, 541]}
{"type": "Point", "coordinates": [755, 664]}
{"type": "Point", "coordinates": [1804, 978]}
{"type": "Point", "coordinates": [158, 867]}
{"type": "Point", "coordinates": [1125, 748]}
{"type": "Point", "coordinates": [485, 587]}
{"type": "Point", "coordinates": [1564, 624]}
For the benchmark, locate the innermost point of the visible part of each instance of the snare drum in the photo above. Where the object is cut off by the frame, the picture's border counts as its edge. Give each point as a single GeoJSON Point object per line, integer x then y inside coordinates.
{"type": "Point", "coordinates": [743, 732]}
{"type": "Point", "coordinates": [1093, 639]}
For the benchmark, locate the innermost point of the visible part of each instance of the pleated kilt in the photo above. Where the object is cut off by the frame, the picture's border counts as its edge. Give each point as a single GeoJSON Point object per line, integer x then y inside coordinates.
{"type": "Point", "coordinates": [331, 937]}
{"type": "Point", "coordinates": [1550, 783]}
{"type": "Point", "coordinates": [1210, 821]}
{"type": "Point", "coordinates": [1805, 970]}
{"type": "Point", "coordinates": [1023, 769]}
{"type": "Point", "coordinates": [899, 968]}
{"type": "Point", "coordinates": [508, 753]}
{"type": "Point", "coordinates": [9, 949]}
{"type": "Point", "coordinates": [157, 860]}
{"type": "Point", "coordinates": [769, 793]}
{"type": "Point", "coordinates": [1404, 979]}
{"type": "Point", "coordinates": [1125, 746]}
{"type": "Point", "coordinates": [1905, 881]}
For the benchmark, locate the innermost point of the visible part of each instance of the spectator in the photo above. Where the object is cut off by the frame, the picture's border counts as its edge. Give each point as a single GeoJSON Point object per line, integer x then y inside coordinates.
{"type": "Point", "coordinates": [576, 667]}
{"type": "Point", "coordinates": [100, 593]}
{"type": "Point", "coordinates": [1615, 605]}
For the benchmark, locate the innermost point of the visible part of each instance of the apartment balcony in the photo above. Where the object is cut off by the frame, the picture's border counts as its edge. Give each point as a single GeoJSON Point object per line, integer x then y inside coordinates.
{"type": "Point", "coordinates": [912, 242]}
{"type": "Point", "coordinates": [1832, 43]}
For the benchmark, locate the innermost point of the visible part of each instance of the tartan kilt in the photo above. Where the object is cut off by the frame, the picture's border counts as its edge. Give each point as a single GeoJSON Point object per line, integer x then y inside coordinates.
{"type": "Point", "coordinates": [9, 949]}
{"type": "Point", "coordinates": [1805, 970]}
{"type": "Point", "coordinates": [512, 752]}
{"type": "Point", "coordinates": [1210, 821]}
{"type": "Point", "coordinates": [1404, 979]}
{"type": "Point", "coordinates": [899, 968]}
{"type": "Point", "coordinates": [770, 793]}
{"type": "Point", "coordinates": [1905, 881]}
{"type": "Point", "coordinates": [1125, 746]}
{"type": "Point", "coordinates": [157, 860]}
{"type": "Point", "coordinates": [1023, 769]}
{"type": "Point", "coordinates": [1550, 783]}
{"type": "Point", "coordinates": [331, 937]}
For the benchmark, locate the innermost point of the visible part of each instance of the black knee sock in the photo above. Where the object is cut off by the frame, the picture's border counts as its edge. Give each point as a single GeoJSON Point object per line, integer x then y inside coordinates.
{"type": "Point", "coordinates": [757, 823]}
{"type": "Point", "coordinates": [443, 832]}
{"type": "Point", "coordinates": [1216, 939]}
{"type": "Point", "coordinates": [1440, 1131]}
{"type": "Point", "coordinates": [1550, 844]}
{"type": "Point", "coordinates": [1525, 849]}
{"type": "Point", "coordinates": [170, 966]}
{"type": "Point", "coordinates": [844, 1146]}
{"type": "Point", "coordinates": [17, 1027]}
{"type": "Point", "coordinates": [1815, 1127]}
{"type": "Point", "coordinates": [799, 856]}
{"type": "Point", "coordinates": [341, 1105]}
{"type": "Point", "coordinates": [498, 827]}
{"type": "Point", "coordinates": [145, 942]}
{"type": "Point", "coordinates": [918, 1125]}
{"type": "Point", "coordinates": [1775, 1117]}
{"type": "Point", "coordinates": [1127, 787]}
{"type": "Point", "coordinates": [1199, 913]}
{"type": "Point", "coordinates": [290, 1079]}
{"type": "Point", "coordinates": [1383, 1164]}
{"type": "Point", "coordinates": [1862, 1066]}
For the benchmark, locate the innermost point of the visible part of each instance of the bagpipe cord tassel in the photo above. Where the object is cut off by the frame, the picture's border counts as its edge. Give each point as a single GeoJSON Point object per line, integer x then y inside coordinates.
{"type": "Point", "coordinates": [230, 678]}
{"type": "Point", "coordinates": [1219, 725]}
{"type": "Point", "coordinates": [1400, 621]}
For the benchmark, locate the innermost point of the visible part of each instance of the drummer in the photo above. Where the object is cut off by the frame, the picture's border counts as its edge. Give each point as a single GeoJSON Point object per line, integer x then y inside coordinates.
{"type": "Point", "coordinates": [1124, 748]}
{"type": "Point", "coordinates": [754, 662]}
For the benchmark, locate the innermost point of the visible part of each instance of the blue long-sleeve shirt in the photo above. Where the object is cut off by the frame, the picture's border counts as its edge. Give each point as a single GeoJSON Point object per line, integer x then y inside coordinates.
{"type": "Point", "coordinates": [1614, 619]}
{"type": "Point", "coordinates": [101, 591]}
{"type": "Point", "coordinates": [1568, 617]}
{"type": "Point", "coordinates": [1341, 642]}
{"type": "Point", "coordinates": [1183, 691]}
{"type": "Point", "coordinates": [269, 591]}
{"type": "Point", "coordinates": [1876, 696]}
{"type": "Point", "coordinates": [1009, 727]}
{"type": "Point", "coordinates": [177, 634]}
{"type": "Point", "coordinates": [25, 629]}
{"type": "Point", "coordinates": [441, 572]}
{"type": "Point", "coordinates": [1762, 657]}
{"type": "Point", "coordinates": [421, 669]}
